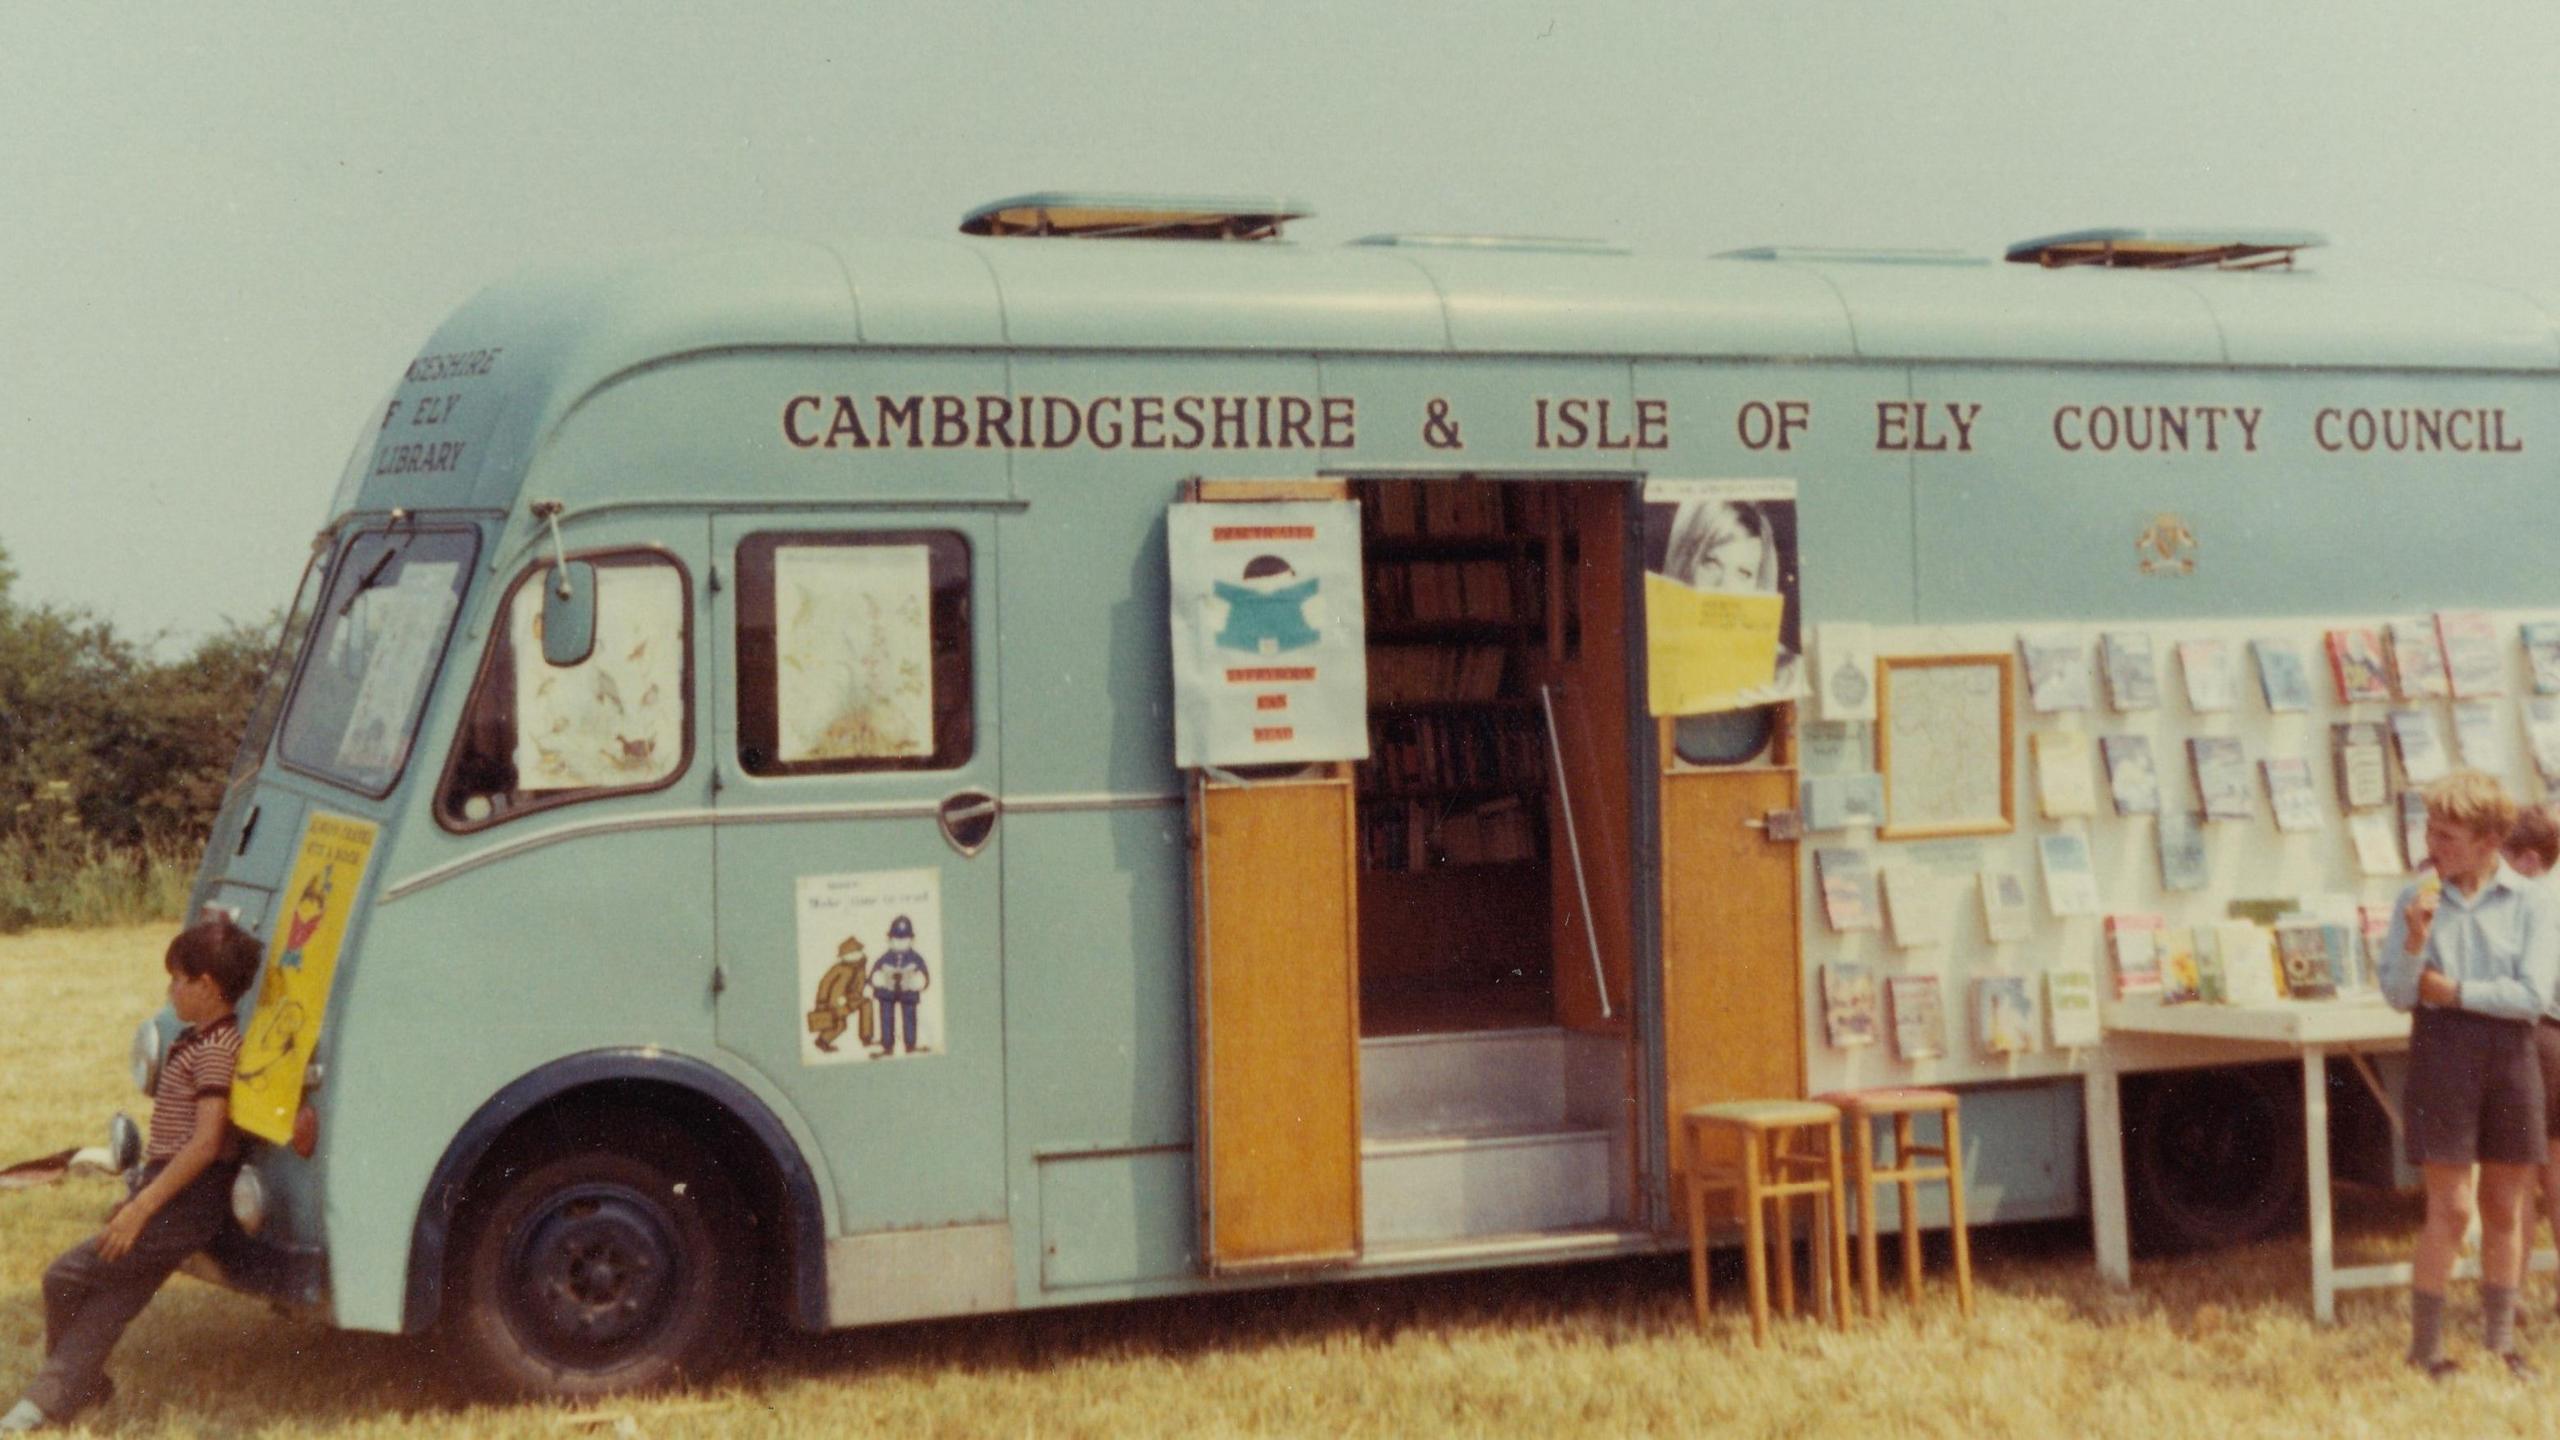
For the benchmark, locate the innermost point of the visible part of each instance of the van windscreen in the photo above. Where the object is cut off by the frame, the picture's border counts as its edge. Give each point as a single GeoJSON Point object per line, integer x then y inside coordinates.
{"type": "Point", "coordinates": [374, 647]}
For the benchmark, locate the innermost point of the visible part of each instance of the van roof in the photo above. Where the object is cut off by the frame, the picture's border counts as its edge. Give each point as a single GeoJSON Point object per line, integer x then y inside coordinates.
{"type": "Point", "coordinates": [1502, 300]}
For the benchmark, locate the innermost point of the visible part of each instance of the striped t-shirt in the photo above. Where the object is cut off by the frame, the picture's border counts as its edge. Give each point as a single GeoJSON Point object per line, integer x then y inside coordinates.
{"type": "Point", "coordinates": [199, 1064]}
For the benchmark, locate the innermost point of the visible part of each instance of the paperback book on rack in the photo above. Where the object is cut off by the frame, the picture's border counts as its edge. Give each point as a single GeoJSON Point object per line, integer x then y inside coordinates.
{"type": "Point", "coordinates": [2133, 670]}
{"type": "Point", "coordinates": [2133, 780]}
{"type": "Point", "coordinates": [2070, 1008]}
{"type": "Point", "coordinates": [1849, 1004]}
{"type": "Point", "coordinates": [2222, 777]}
{"type": "Point", "coordinates": [2004, 1014]}
{"type": "Point", "coordinates": [1848, 889]}
{"type": "Point", "coordinates": [2283, 681]}
{"type": "Point", "coordinates": [2364, 773]}
{"type": "Point", "coordinates": [2417, 661]}
{"type": "Point", "coordinates": [2360, 666]}
{"type": "Point", "coordinates": [2211, 685]}
{"type": "Point", "coordinates": [2063, 785]}
{"type": "Point", "coordinates": [2133, 952]}
{"type": "Point", "coordinates": [2472, 659]}
{"type": "Point", "coordinates": [2057, 670]}
{"type": "Point", "coordinates": [1919, 1016]}
{"type": "Point", "coordinates": [2070, 880]}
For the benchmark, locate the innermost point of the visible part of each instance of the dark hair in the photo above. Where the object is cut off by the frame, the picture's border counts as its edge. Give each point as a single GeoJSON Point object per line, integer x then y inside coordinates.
{"type": "Point", "coordinates": [218, 948]}
{"type": "Point", "coordinates": [2535, 833]}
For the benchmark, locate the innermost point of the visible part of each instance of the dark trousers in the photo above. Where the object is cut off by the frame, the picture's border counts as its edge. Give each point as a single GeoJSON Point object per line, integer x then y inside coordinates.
{"type": "Point", "coordinates": [88, 1301]}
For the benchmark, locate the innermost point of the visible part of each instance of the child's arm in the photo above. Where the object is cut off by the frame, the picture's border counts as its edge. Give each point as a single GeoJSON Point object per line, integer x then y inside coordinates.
{"type": "Point", "coordinates": [213, 1126]}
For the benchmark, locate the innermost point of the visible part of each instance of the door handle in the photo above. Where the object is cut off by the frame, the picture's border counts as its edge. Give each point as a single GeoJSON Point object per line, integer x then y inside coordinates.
{"type": "Point", "coordinates": [1784, 826]}
{"type": "Point", "coordinates": [969, 821]}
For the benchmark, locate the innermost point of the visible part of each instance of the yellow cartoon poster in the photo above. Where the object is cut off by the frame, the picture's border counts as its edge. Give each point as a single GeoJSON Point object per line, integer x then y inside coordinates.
{"type": "Point", "coordinates": [293, 991]}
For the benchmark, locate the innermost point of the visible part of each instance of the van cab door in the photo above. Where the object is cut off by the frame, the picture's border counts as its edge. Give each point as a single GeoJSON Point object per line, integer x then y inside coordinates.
{"type": "Point", "coordinates": [858, 854]}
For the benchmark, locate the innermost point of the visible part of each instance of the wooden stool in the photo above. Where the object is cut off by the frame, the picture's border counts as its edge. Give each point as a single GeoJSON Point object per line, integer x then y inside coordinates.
{"type": "Point", "coordinates": [1912, 1164]}
{"type": "Point", "coordinates": [1773, 1170]}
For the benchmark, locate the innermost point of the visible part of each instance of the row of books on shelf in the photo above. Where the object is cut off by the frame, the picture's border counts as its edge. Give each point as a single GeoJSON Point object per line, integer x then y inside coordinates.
{"type": "Point", "coordinates": [1410, 835]}
{"type": "Point", "coordinates": [1455, 750]}
{"type": "Point", "coordinates": [1434, 591]}
{"type": "Point", "coordinates": [2244, 962]}
{"type": "Point", "coordinates": [1911, 1010]}
{"type": "Point", "coordinates": [1412, 509]}
{"type": "Point", "coordinates": [1916, 905]}
{"type": "Point", "coordinates": [1427, 674]}
{"type": "Point", "coordinates": [2459, 654]}
{"type": "Point", "coordinates": [2226, 788]}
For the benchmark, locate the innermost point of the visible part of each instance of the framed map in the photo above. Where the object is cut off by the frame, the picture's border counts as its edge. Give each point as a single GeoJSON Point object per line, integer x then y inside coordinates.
{"type": "Point", "coordinates": [1945, 744]}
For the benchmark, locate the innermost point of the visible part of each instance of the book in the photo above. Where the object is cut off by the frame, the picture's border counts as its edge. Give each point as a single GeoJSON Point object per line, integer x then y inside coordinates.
{"type": "Point", "coordinates": [2180, 981]}
{"type": "Point", "coordinates": [1919, 1016]}
{"type": "Point", "coordinates": [2292, 797]}
{"type": "Point", "coordinates": [2373, 924]}
{"type": "Point", "coordinates": [2417, 661]}
{"type": "Point", "coordinates": [2004, 1014]}
{"type": "Point", "coordinates": [2349, 972]}
{"type": "Point", "coordinates": [1917, 910]}
{"type": "Point", "coordinates": [2542, 734]}
{"type": "Point", "coordinates": [2133, 781]}
{"type": "Point", "coordinates": [2422, 758]}
{"type": "Point", "coordinates": [2364, 775]}
{"type": "Point", "coordinates": [2057, 664]}
{"type": "Point", "coordinates": [2247, 952]}
{"type": "Point", "coordinates": [2005, 916]}
{"type": "Point", "coordinates": [2070, 1009]}
{"type": "Point", "coordinates": [1848, 889]}
{"type": "Point", "coordinates": [2070, 881]}
{"type": "Point", "coordinates": [2133, 668]}
{"type": "Point", "coordinates": [2133, 953]}
{"type": "Point", "coordinates": [1844, 667]}
{"type": "Point", "coordinates": [2063, 785]}
{"type": "Point", "coordinates": [2303, 950]}
{"type": "Point", "coordinates": [1840, 802]}
{"type": "Point", "coordinates": [2283, 680]}
{"type": "Point", "coordinates": [1848, 1004]}
{"type": "Point", "coordinates": [2206, 664]}
{"type": "Point", "coordinates": [2542, 654]}
{"type": "Point", "coordinates": [2222, 777]}
{"type": "Point", "coordinates": [2473, 662]}
{"type": "Point", "coordinates": [2182, 862]}
{"type": "Point", "coordinates": [2413, 828]}
{"type": "Point", "coordinates": [2377, 849]}
{"type": "Point", "coordinates": [2476, 736]}
{"type": "Point", "coordinates": [2359, 664]}
{"type": "Point", "coordinates": [2205, 948]}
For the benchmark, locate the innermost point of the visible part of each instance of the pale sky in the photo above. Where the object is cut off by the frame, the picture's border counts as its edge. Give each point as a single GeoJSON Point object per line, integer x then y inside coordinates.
{"type": "Point", "coordinates": [225, 227]}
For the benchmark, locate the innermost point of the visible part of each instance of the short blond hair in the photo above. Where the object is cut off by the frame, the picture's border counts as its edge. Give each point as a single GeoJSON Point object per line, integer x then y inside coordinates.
{"type": "Point", "coordinates": [2473, 800]}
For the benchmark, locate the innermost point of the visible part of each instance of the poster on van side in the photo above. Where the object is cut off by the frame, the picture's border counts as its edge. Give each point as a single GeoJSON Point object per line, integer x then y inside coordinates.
{"type": "Point", "coordinates": [1270, 658]}
{"type": "Point", "coordinates": [615, 718]}
{"type": "Point", "coordinates": [1723, 630]}
{"type": "Point", "coordinates": [871, 966]}
{"type": "Point", "coordinates": [302, 958]}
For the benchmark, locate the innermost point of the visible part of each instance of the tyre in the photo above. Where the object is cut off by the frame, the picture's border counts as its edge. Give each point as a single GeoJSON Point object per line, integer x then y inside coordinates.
{"type": "Point", "coordinates": [598, 1272]}
{"type": "Point", "coordinates": [2212, 1157]}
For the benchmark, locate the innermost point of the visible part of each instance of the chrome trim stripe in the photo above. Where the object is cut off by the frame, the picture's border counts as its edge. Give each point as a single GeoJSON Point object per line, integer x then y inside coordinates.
{"type": "Point", "coordinates": [409, 885]}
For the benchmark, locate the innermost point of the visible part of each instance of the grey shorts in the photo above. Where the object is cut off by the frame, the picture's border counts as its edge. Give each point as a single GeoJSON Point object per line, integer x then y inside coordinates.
{"type": "Point", "coordinates": [2474, 1094]}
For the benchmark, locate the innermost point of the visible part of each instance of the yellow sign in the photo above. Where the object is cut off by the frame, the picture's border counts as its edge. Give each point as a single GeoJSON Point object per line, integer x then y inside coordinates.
{"type": "Point", "coordinates": [1706, 652]}
{"type": "Point", "coordinates": [293, 992]}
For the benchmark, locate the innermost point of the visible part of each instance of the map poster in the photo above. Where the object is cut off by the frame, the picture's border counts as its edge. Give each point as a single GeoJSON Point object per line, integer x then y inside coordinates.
{"type": "Point", "coordinates": [293, 989]}
{"type": "Point", "coordinates": [1723, 629]}
{"type": "Point", "coordinates": [1270, 659]}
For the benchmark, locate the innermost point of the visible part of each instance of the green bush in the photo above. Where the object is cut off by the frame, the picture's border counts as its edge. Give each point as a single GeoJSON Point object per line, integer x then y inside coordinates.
{"type": "Point", "coordinates": [112, 762]}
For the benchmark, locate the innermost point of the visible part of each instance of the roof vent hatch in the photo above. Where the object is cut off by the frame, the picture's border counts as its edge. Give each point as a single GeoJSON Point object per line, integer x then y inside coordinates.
{"type": "Point", "coordinates": [2122, 249]}
{"type": "Point", "coordinates": [1063, 215]}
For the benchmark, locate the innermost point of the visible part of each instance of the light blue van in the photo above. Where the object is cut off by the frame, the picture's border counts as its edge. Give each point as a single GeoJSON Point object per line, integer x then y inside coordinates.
{"type": "Point", "coordinates": [738, 683]}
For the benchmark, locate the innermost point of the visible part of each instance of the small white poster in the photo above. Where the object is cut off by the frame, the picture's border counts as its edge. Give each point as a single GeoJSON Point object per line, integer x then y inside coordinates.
{"type": "Point", "coordinates": [871, 966]}
{"type": "Point", "coordinates": [1270, 661]}
{"type": "Point", "coordinates": [615, 718]}
{"type": "Point", "coordinates": [853, 651]}
{"type": "Point", "coordinates": [398, 630]}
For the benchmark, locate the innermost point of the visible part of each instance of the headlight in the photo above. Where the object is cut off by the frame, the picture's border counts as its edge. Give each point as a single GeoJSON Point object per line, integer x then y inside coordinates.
{"type": "Point", "coordinates": [249, 1201]}
{"type": "Point", "coordinates": [149, 1049]}
{"type": "Point", "coordinates": [124, 1143]}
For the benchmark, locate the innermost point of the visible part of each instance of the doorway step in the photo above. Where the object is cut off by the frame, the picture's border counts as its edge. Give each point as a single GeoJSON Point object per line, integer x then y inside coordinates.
{"type": "Point", "coordinates": [1491, 1133]}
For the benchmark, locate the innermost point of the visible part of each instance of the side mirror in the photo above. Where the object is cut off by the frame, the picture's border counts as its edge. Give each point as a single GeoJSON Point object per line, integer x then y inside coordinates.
{"type": "Point", "coordinates": [569, 614]}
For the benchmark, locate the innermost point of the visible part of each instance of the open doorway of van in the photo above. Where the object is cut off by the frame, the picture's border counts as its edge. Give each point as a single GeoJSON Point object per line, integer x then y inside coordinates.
{"type": "Point", "coordinates": [1494, 860]}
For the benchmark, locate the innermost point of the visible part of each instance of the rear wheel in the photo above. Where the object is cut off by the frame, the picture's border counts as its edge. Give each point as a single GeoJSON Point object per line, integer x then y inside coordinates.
{"type": "Point", "coordinates": [600, 1271]}
{"type": "Point", "coordinates": [2212, 1157]}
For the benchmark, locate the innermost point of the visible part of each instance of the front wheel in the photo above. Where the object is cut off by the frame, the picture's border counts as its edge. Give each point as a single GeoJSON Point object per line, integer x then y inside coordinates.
{"type": "Point", "coordinates": [2212, 1157]}
{"type": "Point", "coordinates": [599, 1272]}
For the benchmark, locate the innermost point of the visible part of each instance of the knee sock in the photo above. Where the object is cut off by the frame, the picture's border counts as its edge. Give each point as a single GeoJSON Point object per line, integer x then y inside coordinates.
{"type": "Point", "coordinates": [2426, 1328]}
{"type": "Point", "coordinates": [2498, 1309]}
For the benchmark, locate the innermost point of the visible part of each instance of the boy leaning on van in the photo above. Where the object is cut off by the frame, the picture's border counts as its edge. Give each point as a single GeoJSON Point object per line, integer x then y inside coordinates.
{"type": "Point", "coordinates": [181, 1198]}
{"type": "Point", "coordinates": [2474, 950]}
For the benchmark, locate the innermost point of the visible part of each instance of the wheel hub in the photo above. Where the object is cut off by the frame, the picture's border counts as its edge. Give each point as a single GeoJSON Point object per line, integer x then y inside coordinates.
{"type": "Point", "coordinates": [593, 1270]}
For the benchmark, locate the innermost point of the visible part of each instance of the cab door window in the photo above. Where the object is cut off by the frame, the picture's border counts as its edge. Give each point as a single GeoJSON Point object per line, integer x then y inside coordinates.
{"type": "Point", "coordinates": [621, 720]}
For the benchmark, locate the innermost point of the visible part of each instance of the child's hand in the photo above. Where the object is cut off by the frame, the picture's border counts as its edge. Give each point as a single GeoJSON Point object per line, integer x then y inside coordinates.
{"type": "Point", "coordinates": [123, 1228]}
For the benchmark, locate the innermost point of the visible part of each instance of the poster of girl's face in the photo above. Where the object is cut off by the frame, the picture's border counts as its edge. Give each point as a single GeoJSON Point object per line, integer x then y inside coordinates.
{"type": "Point", "coordinates": [1729, 537]}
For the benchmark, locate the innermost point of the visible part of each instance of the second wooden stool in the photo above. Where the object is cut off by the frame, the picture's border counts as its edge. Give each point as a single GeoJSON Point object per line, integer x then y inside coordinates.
{"type": "Point", "coordinates": [1913, 1163]}
{"type": "Point", "coordinates": [1790, 1148]}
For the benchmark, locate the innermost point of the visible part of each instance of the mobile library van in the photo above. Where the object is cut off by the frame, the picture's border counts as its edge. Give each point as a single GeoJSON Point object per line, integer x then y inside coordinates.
{"type": "Point", "coordinates": [1114, 755]}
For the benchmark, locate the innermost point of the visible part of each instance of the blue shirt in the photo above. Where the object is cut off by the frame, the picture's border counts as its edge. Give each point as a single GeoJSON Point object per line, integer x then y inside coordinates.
{"type": "Point", "coordinates": [2501, 945]}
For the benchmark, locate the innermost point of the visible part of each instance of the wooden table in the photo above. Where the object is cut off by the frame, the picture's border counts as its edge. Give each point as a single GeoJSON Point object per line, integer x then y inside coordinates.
{"type": "Point", "coordinates": [2314, 1029]}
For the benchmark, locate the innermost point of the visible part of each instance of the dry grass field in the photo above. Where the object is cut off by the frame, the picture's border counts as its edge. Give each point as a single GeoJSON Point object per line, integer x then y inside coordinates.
{"type": "Point", "coordinates": [2216, 1345]}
